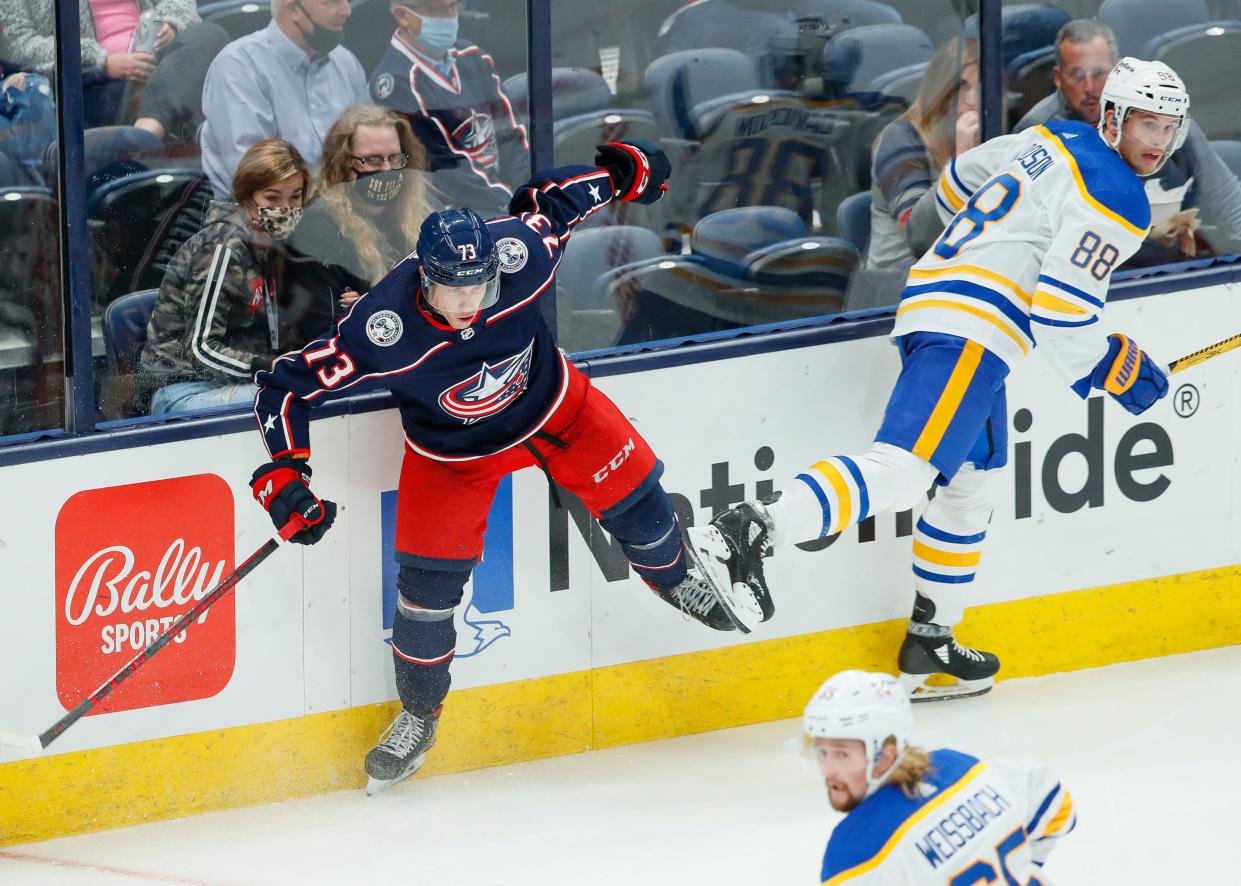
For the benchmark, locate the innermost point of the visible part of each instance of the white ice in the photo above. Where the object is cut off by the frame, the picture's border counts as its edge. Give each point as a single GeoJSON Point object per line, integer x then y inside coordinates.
{"type": "Point", "coordinates": [1147, 749]}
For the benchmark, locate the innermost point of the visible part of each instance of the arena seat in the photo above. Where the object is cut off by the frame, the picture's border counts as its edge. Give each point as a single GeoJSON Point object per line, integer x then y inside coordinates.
{"type": "Point", "coordinates": [678, 82]}
{"type": "Point", "coordinates": [1137, 22]}
{"type": "Point", "coordinates": [856, 59]}
{"type": "Point", "coordinates": [1028, 79]}
{"type": "Point", "coordinates": [238, 17]}
{"type": "Point", "coordinates": [853, 220]}
{"type": "Point", "coordinates": [902, 83]}
{"type": "Point", "coordinates": [1024, 28]}
{"type": "Point", "coordinates": [722, 24]}
{"type": "Point", "coordinates": [588, 307]}
{"type": "Point", "coordinates": [574, 91]}
{"type": "Point", "coordinates": [1204, 56]}
{"type": "Point", "coordinates": [111, 152]}
{"type": "Point", "coordinates": [125, 328]}
{"type": "Point", "coordinates": [1229, 151]}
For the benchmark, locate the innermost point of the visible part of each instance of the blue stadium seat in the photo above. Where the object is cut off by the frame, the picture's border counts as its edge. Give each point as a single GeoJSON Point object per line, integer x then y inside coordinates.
{"type": "Point", "coordinates": [237, 17]}
{"type": "Point", "coordinates": [574, 91]}
{"type": "Point", "coordinates": [676, 83]}
{"type": "Point", "coordinates": [719, 23]}
{"type": "Point", "coordinates": [841, 15]}
{"type": "Point", "coordinates": [125, 328]}
{"type": "Point", "coordinates": [903, 83]}
{"type": "Point", "coordinates": [111, 151]}
{"type": "Point", "coordinates": [856, 59]}
{"type": "Point", "coordinates": [1229, 151]}
{"type": "Point", "coordinates": [1137, 22]}
{"type": "Point", "coordinates": [1028, 80]}
{"type": "Point", "coordinates": [588, 307]}
{"type": "Point", "coordinates": [1024, 28]}
{"type": "Point", "coordinates": [1205, 57]}
{"type": "Point", "coordinates": [853, 220]}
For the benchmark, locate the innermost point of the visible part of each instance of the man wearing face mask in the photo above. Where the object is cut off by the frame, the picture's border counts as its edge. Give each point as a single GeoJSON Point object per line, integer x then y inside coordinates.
{"type": "Point", "coordinates": [224, 309]}
{"type": "Point", "coordinates": [290, 80]}
{"type": "Point", "coordinates": [450, 92]}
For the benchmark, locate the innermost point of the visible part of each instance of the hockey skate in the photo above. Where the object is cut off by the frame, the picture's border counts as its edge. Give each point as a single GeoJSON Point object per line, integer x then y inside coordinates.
{"type": "Point", "coordinates": [401, 751]}
{"type": "Point", "coordinates": [934, 667]}
{"type": "Point", "coordinates": [696, 597]}
{"type": "Point", "coordinates": [729, 553]}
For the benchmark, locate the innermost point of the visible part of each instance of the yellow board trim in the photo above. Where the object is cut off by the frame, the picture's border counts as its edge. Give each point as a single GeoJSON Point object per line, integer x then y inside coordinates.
{"type": "Point", "coordinates": [1050, 302]}
{"type": "Point", "coordinates": [81, 791]}
{"type": "Point", "coordinates": [1081, 186]}
{"type": "Point", "coordinates": [844, 500]}
{"type": "Point", "coordinates": [949, 401]}
{"type": "Point", "coordinates": [944, 558]}
{"type": "Point", "coordinates": [944, 796]}
{"type": "Point", "coordinates": [977, 271]}
{"type": "Point", "coordinates": [945, 304]}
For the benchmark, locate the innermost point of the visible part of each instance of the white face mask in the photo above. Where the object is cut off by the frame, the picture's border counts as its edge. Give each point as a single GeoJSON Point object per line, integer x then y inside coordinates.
{"type": "Point", "coordinates": [276, 222]}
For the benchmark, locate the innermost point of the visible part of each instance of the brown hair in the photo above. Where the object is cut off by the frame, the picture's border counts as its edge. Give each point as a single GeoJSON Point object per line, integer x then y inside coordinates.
{"type": "Point", "coordinates": [910, 769]}
{"type": "Point", "coordinates": [411, 207]}
{"type": "Point", "coordinates": [932, 112]}
{"type": "Point", "coordinates": [266, 163]}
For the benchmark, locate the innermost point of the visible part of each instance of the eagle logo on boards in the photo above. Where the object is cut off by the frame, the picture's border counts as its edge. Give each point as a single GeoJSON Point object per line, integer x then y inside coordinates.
{"type": "Point", "coordinates": [384, 328]}
{"type": "Point", "coordinates": [490, 390]}
{"type": "Point", "coordinates": [513, 255]}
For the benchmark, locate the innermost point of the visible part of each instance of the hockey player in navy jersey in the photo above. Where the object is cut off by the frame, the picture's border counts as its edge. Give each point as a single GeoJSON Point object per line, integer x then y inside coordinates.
{"type": "Point", "coordinates": [938, 818]}
{"type": "Point", "coordinates": [1036, 223]}
{"type": "Point", "coordinates": [450, 92]}
{"type": "Point", "coordinates": [455, 332]}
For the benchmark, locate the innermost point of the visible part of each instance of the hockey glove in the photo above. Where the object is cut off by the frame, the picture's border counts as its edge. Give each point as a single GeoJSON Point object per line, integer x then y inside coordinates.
{"type": "Point", "coordinates": [282, 488]}
{"type": "Point", "coordinates": [1128, 374]}
{"type": "Point", "coordinates": [638, 169]}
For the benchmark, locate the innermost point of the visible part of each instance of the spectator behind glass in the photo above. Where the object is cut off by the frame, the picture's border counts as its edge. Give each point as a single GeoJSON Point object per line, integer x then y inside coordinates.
{"type": "Point", "coordinates": [223, 312]}
{"type": "Point", "coordinates": [27, 126]}
{"type": "Point", "coordinates": [156, 86]}
{"type": "Point", "coordinates": [290, 80]}
{"type": "Point", "coordinates": [911, 151]}
{"type": "Point", "coordinates": [1194, 187]}
{"type": "Point", "coordinates": [373, 198]}
{"type": "Point", "coordinates": [449, 91]}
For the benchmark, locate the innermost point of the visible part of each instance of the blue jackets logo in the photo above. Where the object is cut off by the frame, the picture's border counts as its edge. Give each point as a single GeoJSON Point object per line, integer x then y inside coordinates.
{"type": "Point", "coordinates": [487, 595]}
{"type": "Point", "coordinates": [489, 390]}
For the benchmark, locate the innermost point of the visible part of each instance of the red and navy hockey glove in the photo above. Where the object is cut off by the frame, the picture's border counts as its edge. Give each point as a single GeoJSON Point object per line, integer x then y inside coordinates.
{"type": "Point", "coordinates": [1128, 374]}
{"type": "Point", "coordinates": [638, 168]}
{"type": "Point", "coordinates": [282, 488]}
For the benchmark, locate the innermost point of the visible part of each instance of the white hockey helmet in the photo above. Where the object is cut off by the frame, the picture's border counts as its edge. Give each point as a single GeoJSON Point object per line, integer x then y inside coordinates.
{"type": "Point", "coordinates": [1144, 86]}
{"type": "Point", "coordinates": [868, 707]}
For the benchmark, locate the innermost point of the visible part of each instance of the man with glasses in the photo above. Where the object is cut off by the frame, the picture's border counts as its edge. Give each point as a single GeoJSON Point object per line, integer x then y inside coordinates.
{"type": "Point", "coordinates": [450, 92]}
{"type": "Point", "coordinates": [290, 80]}
{"type": "Point", "coordinates": [1194, 189]}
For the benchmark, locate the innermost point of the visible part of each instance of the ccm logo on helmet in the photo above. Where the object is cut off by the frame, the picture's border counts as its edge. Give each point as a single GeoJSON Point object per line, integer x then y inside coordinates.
{"type": "Point", "coordinates": [617, 460]}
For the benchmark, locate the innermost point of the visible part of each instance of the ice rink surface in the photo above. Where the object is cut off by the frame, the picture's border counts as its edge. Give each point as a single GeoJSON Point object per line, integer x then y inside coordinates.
{"type": "Point", "coordinates": [1147, 749]}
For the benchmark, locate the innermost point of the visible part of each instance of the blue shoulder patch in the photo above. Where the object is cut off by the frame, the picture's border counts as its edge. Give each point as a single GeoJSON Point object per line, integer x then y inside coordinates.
{"type": "Point", "coordinates": [865, 831]}
{"type": "Point", "coordinates": [1107, 177]}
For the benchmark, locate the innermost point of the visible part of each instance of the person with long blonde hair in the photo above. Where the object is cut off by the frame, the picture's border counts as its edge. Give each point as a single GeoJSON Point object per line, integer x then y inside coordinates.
{"type": "Point", "coordinates": [373, 198]}
{"type": "Point", "coordinates": [909, 153]}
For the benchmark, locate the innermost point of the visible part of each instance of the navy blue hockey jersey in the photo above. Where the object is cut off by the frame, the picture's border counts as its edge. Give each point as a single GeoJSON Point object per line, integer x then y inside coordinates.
{"type": "Point", "coordinates": [463, 118]}
{"type": "Point", "coordinates": [462, 394]}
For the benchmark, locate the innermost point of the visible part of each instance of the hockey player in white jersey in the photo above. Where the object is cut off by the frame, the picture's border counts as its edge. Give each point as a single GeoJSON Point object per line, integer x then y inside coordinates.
{"type": "Point", "coordinates": [1039, 220]}
{"type": "Point", "coordinates": [938, 818]}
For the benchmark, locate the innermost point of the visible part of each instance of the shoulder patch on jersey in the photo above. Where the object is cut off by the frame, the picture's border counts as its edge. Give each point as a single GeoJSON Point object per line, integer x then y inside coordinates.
{"type": "Point", "coordinates": [513, 255]}
{"type": "Point", "coordinates": [384, 84]}
{"type": "Point", "coordinates": [1102, 173]}
{"type": "Point", "coordinates": [384, 328]}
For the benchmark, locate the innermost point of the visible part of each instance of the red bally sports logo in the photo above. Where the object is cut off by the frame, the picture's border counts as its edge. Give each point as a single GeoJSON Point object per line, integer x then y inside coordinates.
{"type": "Point", "coordinates": [129, 561]}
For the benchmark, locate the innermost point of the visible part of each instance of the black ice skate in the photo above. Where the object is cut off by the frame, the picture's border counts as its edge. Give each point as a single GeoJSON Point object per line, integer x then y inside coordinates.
{"type": "Point", "coordinates": [710, 559]}
{"type": "Point", "coordinates": [697, 598]}
{"type": "Point", "coordinates": [934, 667]}
{"type": "Point", "coordinates": [401, 751]}
{"type": "Point", "coordinates": [733, 547]}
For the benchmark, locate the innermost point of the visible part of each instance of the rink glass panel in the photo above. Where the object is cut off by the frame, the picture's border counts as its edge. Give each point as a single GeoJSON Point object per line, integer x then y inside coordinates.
{"type": "Point", "coordinates": [770, 115]}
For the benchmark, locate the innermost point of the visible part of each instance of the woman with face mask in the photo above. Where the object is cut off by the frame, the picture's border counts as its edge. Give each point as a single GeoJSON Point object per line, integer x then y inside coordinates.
{"type": "Point", "coordinates": [224, 309]}
{"type": "Point", "coordinates": [373, 197]}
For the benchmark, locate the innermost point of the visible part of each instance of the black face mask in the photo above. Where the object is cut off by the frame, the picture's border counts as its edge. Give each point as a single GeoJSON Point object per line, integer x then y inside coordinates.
{"type": "Point", "coordinates": [321, 40]}
{"type": "Point", "coordinates": [380, 187]}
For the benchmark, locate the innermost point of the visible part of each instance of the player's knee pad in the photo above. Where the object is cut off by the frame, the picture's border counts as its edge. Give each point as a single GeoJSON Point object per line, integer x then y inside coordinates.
{"type": "Point", "coordinates": [650, 537]}
{"type": "Point", "coordinates": [908, 477]}
{"type": "Point", "coordinates": [963, 505]}
{"type": "Point", "coordinates": [424, 636]}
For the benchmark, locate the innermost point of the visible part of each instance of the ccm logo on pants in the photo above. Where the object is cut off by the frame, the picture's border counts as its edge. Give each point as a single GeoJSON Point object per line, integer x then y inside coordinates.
{"type": "Point", "coordinates": [617, 460]}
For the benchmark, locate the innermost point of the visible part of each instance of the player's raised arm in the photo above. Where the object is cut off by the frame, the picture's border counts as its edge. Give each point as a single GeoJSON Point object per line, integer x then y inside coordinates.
{"type": "Point", "coordinates": [562, 198]}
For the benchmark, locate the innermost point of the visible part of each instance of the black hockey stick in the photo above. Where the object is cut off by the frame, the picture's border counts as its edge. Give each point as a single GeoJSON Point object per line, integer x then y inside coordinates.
{"type": "Point", "coordinates": [35, 744]}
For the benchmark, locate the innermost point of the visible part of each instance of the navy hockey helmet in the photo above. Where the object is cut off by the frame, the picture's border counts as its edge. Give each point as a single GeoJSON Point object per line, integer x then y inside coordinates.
{"type": "Point", "coordinates": [456, 250]}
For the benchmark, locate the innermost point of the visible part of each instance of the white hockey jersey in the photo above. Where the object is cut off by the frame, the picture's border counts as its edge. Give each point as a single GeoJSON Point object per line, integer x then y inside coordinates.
{"type": "Point", "coordinates": [1037, 222]}
{"type": "Point", "coordinates": [976, 823]}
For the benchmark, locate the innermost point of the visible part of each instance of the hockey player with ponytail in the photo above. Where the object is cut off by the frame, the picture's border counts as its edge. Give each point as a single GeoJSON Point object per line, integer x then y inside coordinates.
{"type": "Point", "coordinates": [1036, 223]}
{"type": "Point", "coordinates": [455, 332]}
{"type": "Point", "coordinates": [936, 818]}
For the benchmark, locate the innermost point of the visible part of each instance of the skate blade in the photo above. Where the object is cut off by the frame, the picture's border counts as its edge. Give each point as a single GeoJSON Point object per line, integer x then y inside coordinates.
{"type": "Point", "coordinates": [738, 600]}
{"type": "Point", "coordinates": [379, 785]}
{"type": "Point", "coordinates": [920, 689]}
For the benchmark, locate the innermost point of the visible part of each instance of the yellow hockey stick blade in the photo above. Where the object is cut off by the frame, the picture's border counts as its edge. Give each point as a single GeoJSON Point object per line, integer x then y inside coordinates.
{"type": "Point", "coordinates": [1220, 347]}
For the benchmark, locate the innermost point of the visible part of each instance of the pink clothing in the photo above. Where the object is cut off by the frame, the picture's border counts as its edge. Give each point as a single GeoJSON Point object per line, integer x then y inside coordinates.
{"type": "Point", "coordinates": [115, 21]}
